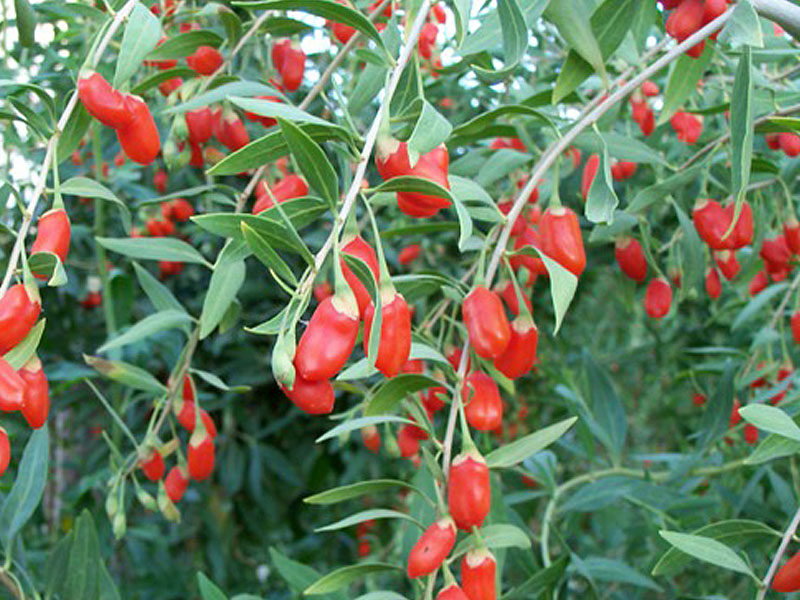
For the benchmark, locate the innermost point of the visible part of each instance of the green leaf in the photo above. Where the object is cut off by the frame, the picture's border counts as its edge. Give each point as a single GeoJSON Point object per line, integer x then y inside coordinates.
{"type": "Point", "coordinates": [708, 550]}
{"type": "Point", "coordinates": [407, 183]}
{"type": "Point", "coordinates": [692, 253]}
{"type": "Point", "coordinates": [126, 374]}
{"type": "Point", "coordinates": [648, 196]}
{"type": "Point", "coordinates": [735, 531]}
{"type": "Point", "coordinates": [771, 419]}
{"type": "Point", "coordinates": [341, 578]}
{"type": "Point", "coordinates": [518, 450]}
{"type": "Point", "coordinates": [615, 571]}
{"type": "Point", "coordinates": [544, 579]}
{"type": "Point", "coordinates": [22, 352]}
{"type": "Point", "coordinates": [742, 130]}
{"type": "Point", "coordinates": [499, 535]}
{"type": "Point", "coordinates": [489, 35]}
{"type": "Point", "coordinates": [159, 295]}
{"type": "Point", "coordinates": [619, 146]}
{"type": "Point", "coordinates": [772, 447]}
{"type": "Point", "coordinates": [142, 33]}
{"type": "Point", "coordinates": [297, 575]}
{"type": "Point", "coordinates": [74, 131]}
{"type": "Point", "coordinates": [338, 13]}
{"type": "Point", "coordinates": [226, 281]}
{"type": "Point", "coordinates": [607, 408]}
{"type": "Point", "coordinates": [83, 187]}
{"type": "Point", "coordinates": [48, 264]}
{"type": "Point", "coordinates": [83, 566]}
{"type": "Point", "coordinates": [602, 200]}
{"type": "Point", "coordinates": [683, 78]}
{"type": "Point", "coordinates": [572, 22]}
{"type": "Point", "coordinates": [209, 591]}
{"type": "Point", "coordinates": [26, 493]}
{"type": "Point", "coordinates": [148, 83]}
{"type": "Point", "coordinates": [216, 382]}
{"type": "Point", "coordinates": [312, 161]}
{"type": "Point", "coordinates": [235, 91]}
{"type": "Point", "coordinates": [368, 515]}
{"type": "Point", "coordinates": [272, 146]}
{"type": "Point", "coordinates": [171, 249]}
{"type": "Point", "coordinates": [184, 44]}
{"type": "Point", "coordinates": [755, 306]}
{"type": "Point", "coordinates": [356, 490]}
{"type": "Point", "coordinates": [743, 27]}
{"type": "Point", "coordinates": [501, 163]}
{"type": "Point", "coordinates": [717, 414]}
{"type": "Point", "coordinates": [147, 327]}
{"type": "Point", "coordinates": [264, 252]}
{"type": "Point", "coordinates": [610, 22]}
{"type": "Point", "coordinates": [464, 224]}
{"type": "Point", "coordinates": [230, 20]}
{"type": "Point", "coordinates": [515, 39]}
{"type": "Point", "coordinates": [270, 108]}
{"type": "Point", "coordinates": [462, 10]}
{"type": "Point", "coordinates": [431, 130]}
{"type": "Point", "coordinates": [359, 423]}
{"type": "Point", "coordinates": [26, 22]}
{"type": "Point", "coordinates": [563, 284]}
{"type": "Point", "coordinates": [391, 392]}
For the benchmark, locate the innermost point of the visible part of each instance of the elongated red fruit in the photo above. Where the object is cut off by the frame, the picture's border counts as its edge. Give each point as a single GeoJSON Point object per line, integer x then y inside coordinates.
{"type": "Point", "coordinates": [103, 102]}
{"type": "Point", "coordinates": [509, 295]}
{"type": "Point", "coordinates": [36, 399]}
{"type": "Point", "coordinates": [630, 258]}
{"type": "Point", "coordinates": [205, 60]}
{"type": "Point", "coordinates": [409, 254]}
{"type": "Point", "coordinates": [520, 354]}
{"type": "Point", "coordinates": [12, 388]}
{"type": "Point", "coordinates": [53, 233]}
{"type": "Point", "coordinates": [359, 248]}
{"type": "Point", "coordinates": [19, 310]}
{"type": "Point", "coordinates": [534, 264]}
{"type": "Point", "coordinates": [312, 397]}
{"type": "Point", "coordinates": [713, 283]}
{"type": "Point", "coordinates": [795, 323]}
{"type": "Point", "coordinates": [791, 231]}
{"type": "Point", "coordinates": [139, 137]}
{"type": "Point", "coordinates": [176, 483]}
{"type": "Point", "coordinates": [483, 406]}
{"type": "Point", "coordinates": [371, 438]}
{"type": "Point", "coordinates": [395, 335]}
{"type": "Point", "coordinates": [562, 240]}
{"type": "Point", "coordinates": [486, 321]}
{"type": "Point", "coordinates": [200, 455]}
{"type": "Point", "coordinates": [200, 123]}
{"type": "Point", "coordinates": [291, 186]}
{"type": "Point", "coordinates": [152, 465]}
{"type": "Point", "coordinates": [589, 173]}
{"type": "Point", "coordinates": [328, 341]}
{"type": "Point", "coordinates": [5, 451]}
{"type": "Point", "coordinates": [432, 548]}
{"type": "Point", "coordinates": [469, 490]}
{"type": "Point", "coordinates": [787, 579]}
{"type": "Point", "coordinates": [478, 575]}
{"type": "Point", "coordinates": [658, 298]}
{"type": "Point", "coordinates": [728, 263]}
{"type": "Point", "coordinates": [452, 592]}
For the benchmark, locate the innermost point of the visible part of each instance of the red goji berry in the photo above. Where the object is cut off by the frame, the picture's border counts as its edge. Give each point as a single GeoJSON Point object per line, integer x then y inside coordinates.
{"type": "Point", "coordinates": [432, 548]}
{"type": "Point", "coordinates": [19, 309]}
{"type": "Point", "coordinates": [312, 397]}
{"type": "Point", "coordinates": [152, 464]}
{"type": "Point", "coordinates": [176, 483]}
{"type": "Point", "coordinates": [395, 334]}
{"type": "Point", "coordinates": [487, 325]}
{"type": "Point", "coordinates": [658, 298]}
{"type": "Point", "coordinates": [139, 136]}
{"type": "Point", "coordinates": [103, 102]}
{"type": "Point", "coordinates": [205, 60]}
{"type": "Point", "coordinates": [562, 240]}
{"type": "Point", "coordinates": [5, 451]}
{"type": "Point", "coordinates": [452, 592]}
{"type": "Point", "coordinates": [12, 388]}
{"type": "Point", "coordinates": [469, 490]}
{"type": "Point", "coordinates": [53, 233]}
{"type": "Point", "coordinates": [483, 406]}
{"type": "Point", "coordinates": [36, 398]}
{"type": "Point", "coordinates": [787, 579]}
{"type": "Point", "coordinates": [478, 575]}
{"type": "Point", "coordinates": [520, 354]}
{"type": "Point", "coordinates": [200, 455]}
{"type": "Point", "coordinates": [359, 248]}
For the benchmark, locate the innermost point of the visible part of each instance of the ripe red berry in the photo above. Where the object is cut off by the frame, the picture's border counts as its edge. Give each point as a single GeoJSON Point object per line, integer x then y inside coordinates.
{"type": "Point", "coordinates": [758, 283]}
{"type": "Point", "coordinates": [520, 354]}
{"type": "Point", "coordinates": [408, 441]}
{"type": "Point", "coordinates": [231, 132]}
{"type": "Point", "coordinates": [200, 123]}
{"type": "Point", "coordinates": [630, 258]}
{"type": "Point", "coordinates": [483, 406]}
{"type": "Point", "coordinates": [19, 309]}
{"type": "Point", "coordinates": [698, 399]}
{"type": "Point", "coordinates": [787, 579]}
{"type": "Point", "coordinates": [479, 574]}
{"type": "Point", "coordinates": [795, 323]}
{"type": "Point", "coordinates": [176, 483]}
{"type": "Point", "coordinates": [5, 451]}
{"type": "Point", "coordinates": [650, 88]}
{"type": "Point", "coordinates": [713, 283]}
{"type": "Point", "coordinates": [53, 233]}
{"type": "Point", "coordinates": [312, 397]}
{"type": "Point", "coordinates": [486, 322]}
{"type": "Point", "coordinates": [139, 136]}
{"type": "Point", "coordinates": [452, 592]}
{"type": "Point", "coordinates": [200, 455]}
{"type": "Point", "coordinates": [152, 464]}
{"type": "Point", "coordinates": [687, 126]}
{"type": "Point", "coordinates": [589, 173]}
{"type": "Point", "coordinates": [409, 254]}
{"type": "Point", "coordinates": [432, 548]}
{"type": "Point", "coordinates": [371, 438]}
{"type": "Point", "coordinates": [562, 240]}
{"type": "Point", "coordinates": [658, 298]}
{"type": "Point", "coordinates": [291, 186]}
{"type": "Point", "coordinates": [328, 341]}
{"type": "Point", "coordinates": [160, 181]}
{"type": "Point", "coordinates": [360, 249]}
{"type": "Point", "coordinates": [728, 263]}
{"type": "Point", "coordinates": [469, 490]}
{"type": "Point", "coordinates": [103, 102]}
{"type": "Point", "coordinates": [790, 143]}
{"type": "Point", "coordinates": [205, 60]}
{"type": "Point", "coordinates": [395, 334]}
{"type": "Point", "coordinates": [12, 388]}
{"type": "Point", "coordinates": [791, 232]}
{"type": "Point", "coordinates": [36, 398]}
{"type": "Point", "coordinates": [750, 434]}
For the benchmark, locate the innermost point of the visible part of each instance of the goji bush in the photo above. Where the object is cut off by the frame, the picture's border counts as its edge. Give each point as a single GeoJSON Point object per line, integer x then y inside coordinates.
{"type": "Point", "coordinates": [399, 299]}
